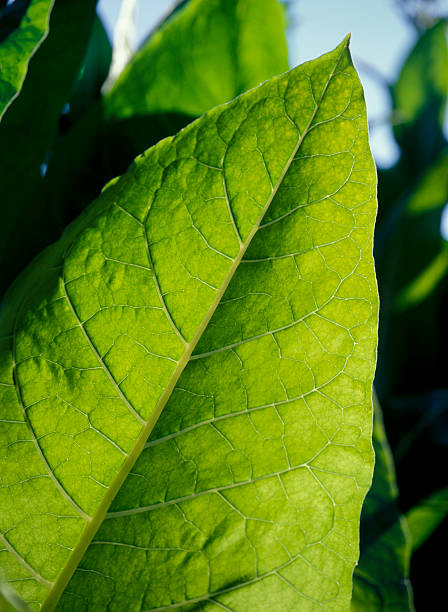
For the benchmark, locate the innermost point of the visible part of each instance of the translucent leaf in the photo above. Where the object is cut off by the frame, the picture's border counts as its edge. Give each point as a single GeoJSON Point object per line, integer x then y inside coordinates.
{"type": "Point", "coordinates": [226, 285]}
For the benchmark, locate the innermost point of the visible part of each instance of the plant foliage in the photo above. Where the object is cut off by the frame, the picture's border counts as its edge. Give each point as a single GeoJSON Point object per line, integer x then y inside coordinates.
{"type": "Point", "coordinates": [186, 372]}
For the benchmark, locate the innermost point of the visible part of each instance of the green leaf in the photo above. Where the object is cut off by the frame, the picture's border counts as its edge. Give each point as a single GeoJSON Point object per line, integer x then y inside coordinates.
{"type": "Point", "coordinates": [226, 285]}
{"type": "Point", "coordinates": [381, 580]}
{"type": "Point", "coordinates": [412, 260]}
{"type": "Point", "coordinates": [419, 98]}
{"type": "Point", "coordinates": [93, 71]}
{"type": "Point", "coordinates": [27, 135]}
{"type": "Point", "coordinates": [424, 518]}
{"type": "Point", "coordinates": [420, 227]}
{"type": "Point", "coordinates": [19, 46]}
{"type": "Point", "coordinates": [205, 54]}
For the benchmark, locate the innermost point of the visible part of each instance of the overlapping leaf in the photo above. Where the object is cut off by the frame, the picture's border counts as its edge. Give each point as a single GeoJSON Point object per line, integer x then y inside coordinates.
{"type": "Point", "coordinates": [93, 71]}
{"type": "Point", "coordinates": [225, 284]}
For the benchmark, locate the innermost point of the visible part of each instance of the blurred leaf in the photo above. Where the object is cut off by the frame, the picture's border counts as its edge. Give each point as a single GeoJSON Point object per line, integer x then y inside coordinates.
{"type": "Point", "coordinates": [418, 426]}
{"type": "Point", "coordinates": [418, 430]}
{"type": "Point", "coordinates": [93, 72]}
{"type": "Point", "coordinates": [22, 30]}
{"type": "Point", "coordinates": [28, 132]}
{"type": "Point", "coordinates": [100, 146]}
{"type": "Point", "coordinates": [426, 192]}
{"type": "Point", "coordinates": [412, 262]}
{"type": "Point", "coordinates": [424, 519]}
{"type": "Point", "coordinates": [419, 98]}
{"type": "Point", "coordinates": [418, 289]}
{"type": "Point", "coordinates": [206, 53]}
{"type": "Point", "coordinates": [381, 580]}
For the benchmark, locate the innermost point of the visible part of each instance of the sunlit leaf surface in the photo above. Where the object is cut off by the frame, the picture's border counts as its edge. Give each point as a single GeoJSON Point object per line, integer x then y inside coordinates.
{"type": "Point", "coordinates": [226, 285]}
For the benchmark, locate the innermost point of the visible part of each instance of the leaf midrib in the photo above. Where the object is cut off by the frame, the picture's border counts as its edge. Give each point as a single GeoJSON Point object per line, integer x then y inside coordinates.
{"type": "Point", "coordinates": [97, 519]}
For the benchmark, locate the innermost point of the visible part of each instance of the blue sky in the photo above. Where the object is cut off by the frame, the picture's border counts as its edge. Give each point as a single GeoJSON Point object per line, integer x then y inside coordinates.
{"type": "Point", "coordinates": [381, 39]}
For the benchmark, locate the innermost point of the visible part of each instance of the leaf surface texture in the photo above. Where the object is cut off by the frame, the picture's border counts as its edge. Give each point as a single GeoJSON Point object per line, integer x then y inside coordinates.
{"type": "Point", "coordinates": [226, 285]}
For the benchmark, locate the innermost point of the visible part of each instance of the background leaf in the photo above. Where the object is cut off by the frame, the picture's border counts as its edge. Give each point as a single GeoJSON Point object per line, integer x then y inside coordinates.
{"type": "Point", "coordinates": [23, 28]}
{"type": "Point", "coordinates": [412, 261]}
{"type": "Point", "coordinates": [419, 97]}
{"type": "Point", "coordinates": [141, 109]}
{"type": "Point", "coordinates": [424, 518]}
{"type": "Point", "coordinates": [93, 72]}
{"type": "Point", "coordinates": [381, 580]}
{"type": "Point", "coordinates": [28, 132]}
{"type": "Point", "coordinates": [206, 53]}
{"type": "Point", "coordinates": [229, 257]}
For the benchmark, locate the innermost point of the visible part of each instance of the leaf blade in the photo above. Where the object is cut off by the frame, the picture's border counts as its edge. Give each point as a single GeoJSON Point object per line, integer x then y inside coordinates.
{"type": "Point", "coordinates": [19, 47]}
{"type": "Point", "coordinates": [119, 231]}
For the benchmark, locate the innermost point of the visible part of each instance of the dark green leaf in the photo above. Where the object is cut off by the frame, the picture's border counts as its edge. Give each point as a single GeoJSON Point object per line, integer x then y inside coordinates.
{"type": "Point", "coordinates": [381, 580]}
{"type": "Point", "coordinates": [28, 132]}
{"type": "Point", "coordinates": [19, 41]}
{"type": "Point", "coordinates": [420, 97]}
{"type": "Point", "coordinates": [412, 265]}
{"type": "Point", "coordinates": [424, 519]}
{"type": "Point", "coordinates": [93, 72]}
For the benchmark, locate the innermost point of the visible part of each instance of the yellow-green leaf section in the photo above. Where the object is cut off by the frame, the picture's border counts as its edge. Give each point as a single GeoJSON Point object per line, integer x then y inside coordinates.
{"type": "Point", "coordinates": [226, 285]}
